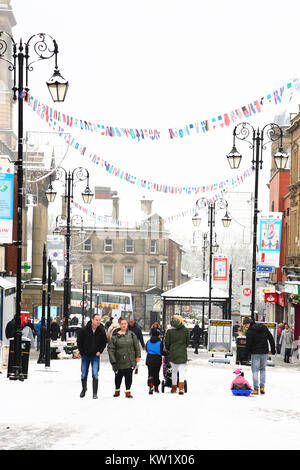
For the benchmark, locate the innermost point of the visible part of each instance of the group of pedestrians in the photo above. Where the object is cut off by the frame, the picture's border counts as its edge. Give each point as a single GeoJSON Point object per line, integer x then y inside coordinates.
{"type": "Point", "coordinates": [124, 340]}
{"type": "Point", "coordinates": [33, 332]}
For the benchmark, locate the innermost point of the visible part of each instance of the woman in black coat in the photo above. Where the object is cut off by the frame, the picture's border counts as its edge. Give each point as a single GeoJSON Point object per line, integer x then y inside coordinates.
{"type": "Point", "coordinates": [54, 330]}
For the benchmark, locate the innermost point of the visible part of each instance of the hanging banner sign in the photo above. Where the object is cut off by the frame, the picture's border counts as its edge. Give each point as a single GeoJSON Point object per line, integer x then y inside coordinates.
{"type": "Point", "coordinates": [270, 238]}
{"type": "Point", "coordinates": [220, 269]}
{"type": "Point", "coordinates": [6, 202]}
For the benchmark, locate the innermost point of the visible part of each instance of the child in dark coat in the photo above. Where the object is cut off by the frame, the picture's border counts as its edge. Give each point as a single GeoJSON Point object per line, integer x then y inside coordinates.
{"type": "Point", "coordinates": [154, 348]}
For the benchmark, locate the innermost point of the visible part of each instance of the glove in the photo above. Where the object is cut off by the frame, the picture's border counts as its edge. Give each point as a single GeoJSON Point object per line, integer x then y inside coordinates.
{"type": "Point", "coordinates": [114, 367]}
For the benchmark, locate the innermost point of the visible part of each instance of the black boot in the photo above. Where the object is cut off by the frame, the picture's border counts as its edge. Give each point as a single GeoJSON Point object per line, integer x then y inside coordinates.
{"type": "Point", "coordinates": [84, 388]}
{"type": "Point", "coordinates": [95, 388]}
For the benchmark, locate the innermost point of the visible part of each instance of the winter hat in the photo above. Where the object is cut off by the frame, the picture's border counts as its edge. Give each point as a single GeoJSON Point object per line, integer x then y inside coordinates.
{"type": "Point", "coordinates": [156, 333]}
{"type": "Point", "coordinates": [115, 323]}
{"type": "Point", "coordinates": [178, 318]}
{"type": "Point", "coordinates": [237, 371]}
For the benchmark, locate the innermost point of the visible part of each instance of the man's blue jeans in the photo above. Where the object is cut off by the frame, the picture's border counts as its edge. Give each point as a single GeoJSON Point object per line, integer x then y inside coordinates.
{"type": "Point", "coordinates": [258, 365]}
{"type": "Point", "coordinates": [85, 363]}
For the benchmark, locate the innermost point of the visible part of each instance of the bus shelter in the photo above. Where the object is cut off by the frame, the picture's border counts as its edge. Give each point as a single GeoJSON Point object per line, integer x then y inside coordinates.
{"type": "Point", "coordinates": [196, 293]}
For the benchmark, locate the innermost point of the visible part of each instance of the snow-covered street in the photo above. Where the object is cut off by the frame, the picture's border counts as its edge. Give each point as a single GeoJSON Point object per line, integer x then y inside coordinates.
{"type": "Point", "coordinates": [46, 412]}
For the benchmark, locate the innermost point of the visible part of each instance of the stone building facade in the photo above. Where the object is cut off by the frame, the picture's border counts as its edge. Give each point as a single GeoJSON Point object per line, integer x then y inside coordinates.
{"type": "Point", "coordinates": [129, 260]}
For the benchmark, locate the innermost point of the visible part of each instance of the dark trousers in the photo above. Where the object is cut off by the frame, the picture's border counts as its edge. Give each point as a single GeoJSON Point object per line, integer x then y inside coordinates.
{"type": "Point", "coordinates": [287, 354]}
{"type": "Point", "coordinates": [154, 365]}
{"type": "Point", "coordinates": [127, 373]}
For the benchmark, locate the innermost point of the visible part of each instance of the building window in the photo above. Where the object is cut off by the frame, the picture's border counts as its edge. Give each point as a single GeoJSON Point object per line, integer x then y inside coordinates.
{"type": "Point", "coordinates": [152, 275]}
{"type": "Point", "coordinates": [129, 275]}
{"type": "Point", "coordinates": [86, 273]}
{"type": "Point", "coordinates": [107, 274]}
{"type": "Point", "coordinates": [108, 245]}
{"type": "Point", "coordinates": [87, 245]}
{"type": "Point", "coordinates": [129, 246]}
{"type": "Point", "coordinates": [153, 246]}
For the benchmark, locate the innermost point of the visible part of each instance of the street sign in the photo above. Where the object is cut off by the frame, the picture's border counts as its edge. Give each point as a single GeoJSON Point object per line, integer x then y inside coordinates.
{"type": "Point", "coordinates": [266, 269]}
{"type": "Point", "coordinates": [246, 292]}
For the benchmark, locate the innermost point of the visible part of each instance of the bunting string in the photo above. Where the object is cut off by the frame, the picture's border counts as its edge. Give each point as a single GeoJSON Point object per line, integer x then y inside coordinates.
{"type": "Point", "coordinates": [221, 120]}
{"type": "Point", "coordinates": [142, 183]}
{"type": "Point", "coordinates": [111, 221]}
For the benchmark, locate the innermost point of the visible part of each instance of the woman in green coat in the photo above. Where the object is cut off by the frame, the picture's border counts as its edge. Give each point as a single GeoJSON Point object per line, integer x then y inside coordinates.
{"type": "Point", "coordinates": [124, 352]}
{"type": "Point", "coordinates": [176, 342]}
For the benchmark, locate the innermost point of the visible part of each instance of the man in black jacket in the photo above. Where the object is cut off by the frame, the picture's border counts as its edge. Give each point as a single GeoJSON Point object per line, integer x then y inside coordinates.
{"type": "Point", "coordinates": [133, 326]}
{"type": "Point", "coordinates": [257, 338]}
{"type": "Point", "coordinates": [91, 342]}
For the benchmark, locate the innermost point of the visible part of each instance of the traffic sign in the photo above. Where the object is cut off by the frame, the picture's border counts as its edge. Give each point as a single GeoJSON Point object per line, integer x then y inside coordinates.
{"type": "Point", "coordinates": [266, 269]}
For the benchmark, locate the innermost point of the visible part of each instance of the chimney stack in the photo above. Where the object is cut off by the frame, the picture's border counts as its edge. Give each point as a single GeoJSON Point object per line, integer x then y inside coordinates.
{"type": "Point", "coordinates": [146, 205]}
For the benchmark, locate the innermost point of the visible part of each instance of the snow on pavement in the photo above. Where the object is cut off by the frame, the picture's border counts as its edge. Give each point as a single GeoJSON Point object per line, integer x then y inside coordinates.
{"type": "Point", "coordinates": [46, 412]}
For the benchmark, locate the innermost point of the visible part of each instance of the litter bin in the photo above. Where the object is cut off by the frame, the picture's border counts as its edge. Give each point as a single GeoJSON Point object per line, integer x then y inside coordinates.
{"type": "Point", "coordinates": [25, 349]}
{"type": "Point", "coordinates": [241, 357]}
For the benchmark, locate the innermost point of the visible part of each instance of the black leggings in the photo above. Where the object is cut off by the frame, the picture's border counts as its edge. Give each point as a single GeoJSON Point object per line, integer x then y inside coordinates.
{"type": "Point", "coordinates": [127, 373]}
{"type": "Point", "coordinates": [154, 365]}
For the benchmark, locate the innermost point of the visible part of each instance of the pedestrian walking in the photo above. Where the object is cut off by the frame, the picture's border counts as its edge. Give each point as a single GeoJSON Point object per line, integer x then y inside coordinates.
{"type": "Point", "coordinates": [124, 353]}
{"type": "Point", "coordinates": [115, 325]}
{"type": "Point", "coordinates": [10, 328]}
{"type": "Point", "coordinates": [91, 342]}
{"type": "Point", "coordinates": [27, 333]}
{"type": "Point", "coordinates": [257, 338]}
{"type": "Point", "coordinates": [286, 342]}
{"type": "Point", "coordinates": [137, 330]}
{"type": "Point", "coordinates": [108, 323]}
{"type": "Point", "coordinates": [176, 342]}
{"type": "Point", "coordinates": [154, 348]}
{"type": "Point", "coordinates": [54, 330]}
{"type": "Point", "coordinates": [195, 337]}
{"type": "Point", "coordinates": [235, 330]}
{"type": "Point", "coordinates": [38, 334]}
{"type": "Point", "coordinates": [155, 326]}
{"type": "Point", "coordinates": [278, 336]}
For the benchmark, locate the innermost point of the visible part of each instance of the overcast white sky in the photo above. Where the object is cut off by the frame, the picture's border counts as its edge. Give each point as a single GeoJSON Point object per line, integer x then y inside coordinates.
{"type": "Point", "coordinates": [160, 64]}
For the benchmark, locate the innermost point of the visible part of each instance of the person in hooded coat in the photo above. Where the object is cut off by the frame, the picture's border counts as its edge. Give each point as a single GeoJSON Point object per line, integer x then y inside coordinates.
{"type": "Point", "coordinates": [176, 342]}
{"type": "Point", "coordinates": [154, 348]}
{"type": "Point", "coordinates": [195, 336]}
{"type": "Point", "coordinates": [257, 338]}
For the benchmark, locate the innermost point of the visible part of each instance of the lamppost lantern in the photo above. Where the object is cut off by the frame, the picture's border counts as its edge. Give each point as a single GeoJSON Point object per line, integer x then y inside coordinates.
{"type": "Point", "coordinates": [215, 247]}
{"type": "Point", "coordinates": [234, 158]}
{"type": "Point", "coordinates": [87, 195]}
{"type": "Point", "coordinates": [56, 231]}
{"type": "Point", "coordinates": [196, 219]}
{"type": "Point", "coordinates": [226, 220]}
{"type": "Point", "coordinates": [57, 86]}
{"type": "Point", "coordinates": [280, 159]}
{"type": "Point", "coordinates": [50, 193]}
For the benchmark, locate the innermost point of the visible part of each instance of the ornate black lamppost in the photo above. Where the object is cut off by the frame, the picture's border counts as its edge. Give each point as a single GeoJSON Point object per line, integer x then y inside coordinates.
{"type": "Point", "coordinates": [272, 132]}
{"type": "Point", "coordinates": [211, 207]}
{"type": "Point", "coordinates": [70, 179]}
{"type": "Point", "coordinates": [41, 46]}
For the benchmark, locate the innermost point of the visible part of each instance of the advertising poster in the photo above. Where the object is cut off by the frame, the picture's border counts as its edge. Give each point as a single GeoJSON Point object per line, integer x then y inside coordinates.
{"type": "Point", "coordinates": [269, 238]}
{"type": "Point", "coordinates": [220, 269]}
{"type": "Point", "coordinates": [220, 336]}
{"type": "Point", "coordinates": [6, 202]}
